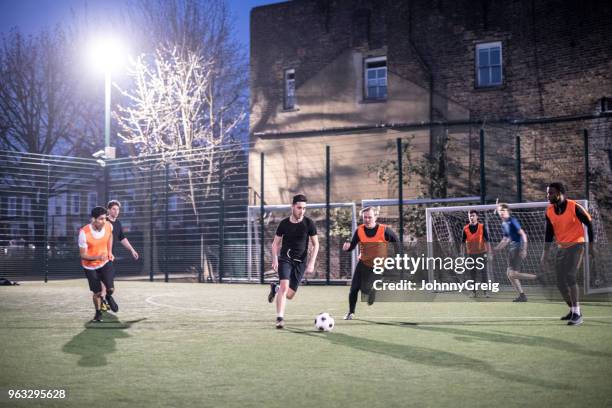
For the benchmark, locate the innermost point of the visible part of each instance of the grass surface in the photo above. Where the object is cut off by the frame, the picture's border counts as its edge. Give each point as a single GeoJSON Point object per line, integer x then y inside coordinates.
{"type": "Point", "coordinates": [203, 345]}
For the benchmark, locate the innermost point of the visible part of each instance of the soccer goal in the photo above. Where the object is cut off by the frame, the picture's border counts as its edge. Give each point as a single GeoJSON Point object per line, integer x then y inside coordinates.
{"type": "Point", "coordinates": [343, 223]}
{"type": "Point", "coordinates": [445, 226]}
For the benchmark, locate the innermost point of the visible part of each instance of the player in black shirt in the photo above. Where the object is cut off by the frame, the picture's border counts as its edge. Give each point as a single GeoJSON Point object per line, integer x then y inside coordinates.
{"type": "Point", "coordinates": [292, 259]}
{"type": "Point", "coordinates": [114, 208]}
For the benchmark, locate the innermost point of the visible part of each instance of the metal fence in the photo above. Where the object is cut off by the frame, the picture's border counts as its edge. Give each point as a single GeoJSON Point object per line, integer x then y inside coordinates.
{"type": "Point", "coordinates": [187, 215]}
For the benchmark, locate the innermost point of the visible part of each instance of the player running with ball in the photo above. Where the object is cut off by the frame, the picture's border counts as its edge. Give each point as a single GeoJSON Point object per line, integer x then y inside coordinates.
{"type": "Point", "coordinates": [292, 259]}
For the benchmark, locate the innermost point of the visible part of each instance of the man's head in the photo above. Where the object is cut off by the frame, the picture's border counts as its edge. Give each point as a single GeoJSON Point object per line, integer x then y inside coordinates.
{"type": "Point", "coordinates": [298, 206]}
{"type": "Point", "coordinates": [369, 215]}
{"type": "Point", "coordinates": [504, 211]}
{"type": "Point", "coordinates": [473, 215]}
{"type": "Point", "coordinates": [555, 193]}
{"type": "Point", "coordinates": [114, 207]}
{"type": "Point", "coordinates": [98, 214]}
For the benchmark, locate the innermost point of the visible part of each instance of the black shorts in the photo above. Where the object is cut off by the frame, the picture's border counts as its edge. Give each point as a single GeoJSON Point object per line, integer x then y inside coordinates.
{"type": "Point", "coordinates": [514, 257]}
{"type": "Point", "coordinates": [105, 274]}
{"type": "Point", "coordinates": [567, 264]}
{"type": "Point", "coordinates": [473, 270]}
{"type": "Point", "coordinates": [292, 270]}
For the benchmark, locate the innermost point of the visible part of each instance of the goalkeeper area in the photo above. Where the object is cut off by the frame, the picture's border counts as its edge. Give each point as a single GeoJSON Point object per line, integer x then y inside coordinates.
{"type": "Point", "coordinates": [194, 345]}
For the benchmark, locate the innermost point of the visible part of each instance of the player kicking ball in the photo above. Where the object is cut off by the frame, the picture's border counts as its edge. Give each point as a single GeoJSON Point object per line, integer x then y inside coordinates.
{"type": "Point", "coordinates": [96, 251]}
{"type": "Point", "coordinates": [290, 255]}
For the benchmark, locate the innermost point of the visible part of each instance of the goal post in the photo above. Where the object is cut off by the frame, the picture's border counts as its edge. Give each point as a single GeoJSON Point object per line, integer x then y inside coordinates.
{"type": "Point", "coordinates": [444, 225]}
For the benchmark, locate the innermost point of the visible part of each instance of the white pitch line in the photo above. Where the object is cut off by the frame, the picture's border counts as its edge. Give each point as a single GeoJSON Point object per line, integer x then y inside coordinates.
{"type": "Point", "coordinates": [150, 301]}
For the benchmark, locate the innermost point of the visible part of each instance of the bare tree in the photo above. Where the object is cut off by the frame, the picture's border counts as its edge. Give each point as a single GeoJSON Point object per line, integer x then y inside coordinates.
{"type": "Point", "coordinates": [173, 112]}
{"type": "Point", "coordinates": [40, 111]}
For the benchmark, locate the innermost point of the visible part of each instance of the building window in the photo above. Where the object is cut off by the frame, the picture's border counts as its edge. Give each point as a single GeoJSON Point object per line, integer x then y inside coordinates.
{"type": "Point", "coordinates": [289, 102]}
{"type": "Point", "coordinates": [92, 200]}
{"type": "Point", "coordinates": [489, 64]}
{"type": "Point", "coordinates": [12, 207]}
{"type": "Point", "coordinates": [173, 203]}
{"type": "Point", "coordinates": [75, 204]}
{"type": "Point", "coordinates": [26, 206]}
{"type": "Point", "coordinates": [376, 78]}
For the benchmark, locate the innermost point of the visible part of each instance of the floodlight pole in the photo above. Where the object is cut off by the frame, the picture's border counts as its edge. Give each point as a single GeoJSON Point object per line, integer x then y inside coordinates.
{"type": "Point", "coordinates": [107, 104]}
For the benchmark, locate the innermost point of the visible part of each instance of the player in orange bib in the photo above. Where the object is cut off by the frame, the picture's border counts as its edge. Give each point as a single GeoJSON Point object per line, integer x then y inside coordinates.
{"type": "Point", "coordinates": [564, 221]}
{"type": "Point", "coordinates": [96, 250]}
{"type": "Point", "coordinates": [372, 239]}
{"type": "Point", "coordinates": [475, 240]}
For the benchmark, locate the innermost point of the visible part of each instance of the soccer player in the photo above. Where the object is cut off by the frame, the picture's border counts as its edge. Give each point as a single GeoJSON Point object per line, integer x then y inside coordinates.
{"type": "Point", "coordinates": [564, 221]}
{"type": "Point", "coordinates": [475, 242]}
{"type": "Point", "coordinates": [515, 239]}
{"type": "Point", "coordinates": [96, 250]}
{"type": "Point", "coordinates": [371, 238]}
{"type": "Point", "coordinates": [292, 259]}
{"type": "Point", "coordinates": [114, 208]}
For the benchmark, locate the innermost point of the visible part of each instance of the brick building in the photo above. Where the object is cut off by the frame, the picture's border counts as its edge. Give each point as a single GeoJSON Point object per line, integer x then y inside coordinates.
{"type": "Point", "coordinates": [357, 75]}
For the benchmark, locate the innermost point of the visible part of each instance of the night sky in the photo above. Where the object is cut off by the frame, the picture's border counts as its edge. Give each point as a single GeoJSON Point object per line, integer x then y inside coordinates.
{"type": "Point", "coordinates": [33, 15]}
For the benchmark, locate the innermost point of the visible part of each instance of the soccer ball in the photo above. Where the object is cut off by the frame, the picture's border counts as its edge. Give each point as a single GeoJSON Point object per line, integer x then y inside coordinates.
{"type": "Point", "coordinates": [324, 322]}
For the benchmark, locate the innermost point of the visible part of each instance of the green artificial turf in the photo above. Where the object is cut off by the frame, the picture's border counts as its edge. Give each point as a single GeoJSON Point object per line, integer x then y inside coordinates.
{"type": "Point", "coordinates": [210, 345]}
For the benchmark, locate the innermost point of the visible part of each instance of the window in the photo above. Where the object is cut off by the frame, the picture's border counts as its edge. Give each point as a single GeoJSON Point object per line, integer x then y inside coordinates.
{"type": "Point", "coordinates": [289, 102]}
{"type": "Point", "coordinates": [12, 206]}
{"type": "Point", "coordinates": [173, 203]}
{"type": "Point", "coordinates": [92, 200]}
{"type": "Point", "coordinates": [26, 206]}
{"type": "Point", "coordinates": [75, 204]}
{"type": "Point", "coordinates": [376, 78]}
{"type": "Point", "coordinates": [489, 64]}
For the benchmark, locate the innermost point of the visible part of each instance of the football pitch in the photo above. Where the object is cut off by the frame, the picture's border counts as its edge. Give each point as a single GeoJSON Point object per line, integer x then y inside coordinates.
{"type": "Point", "coordinates": [211, 345]}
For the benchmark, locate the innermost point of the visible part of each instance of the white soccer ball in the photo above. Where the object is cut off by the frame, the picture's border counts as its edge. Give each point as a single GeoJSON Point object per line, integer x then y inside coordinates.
{"type": "Point", "coordinates": [324, 322]}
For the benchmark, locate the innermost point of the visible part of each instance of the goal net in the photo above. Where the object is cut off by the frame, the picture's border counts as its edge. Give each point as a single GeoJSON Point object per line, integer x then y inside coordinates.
{"type": "Point", "coordinates": [445, 229]}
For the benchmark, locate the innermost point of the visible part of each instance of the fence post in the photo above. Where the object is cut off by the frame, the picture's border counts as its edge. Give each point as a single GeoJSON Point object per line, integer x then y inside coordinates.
{"type": "Point", "coordinates": [166, 197]}
{"type": "Point", "coordinates": [327, 214]}
{"type": "Point", "coordinates": [221, 219]}
{"type": "Point", "coordinates": [45, 229]}
{"type": "Point", "coordinates": [519, 179]}
{"type": "Point", "coordinates": [151, 237]}
{"type": "Point", "coordinates": [587, 177]}
{"type": "Point", "coordinates": [483, 179]}
{"type": "Point", "coordinates": [400, 188]}
{"type": "Point", "coordinates": [261, 222]}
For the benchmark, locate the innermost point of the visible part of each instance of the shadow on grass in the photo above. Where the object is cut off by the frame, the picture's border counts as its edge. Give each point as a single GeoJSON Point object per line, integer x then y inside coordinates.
{"type": "Point", "coordinates": [499, 336]}
{"type": "Point", "coordinates": [429, 356]}
{"type": "Point", "coordinates": [98, 340]}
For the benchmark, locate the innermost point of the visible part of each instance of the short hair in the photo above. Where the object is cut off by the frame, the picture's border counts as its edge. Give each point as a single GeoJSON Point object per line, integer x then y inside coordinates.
{"type": "Point", "coordinates": [299, 198]}
{"type": "Point", "coordinates": [558, 186]}
{"type": "Point", "coordinates": [504, 206]}
{"type": "Point", "coordinates": [473, 212]}
{"type": "Point", "coordinates": [98, 211]}
{"type": "Point", "coordinates": [368, 208]}
{"type": "Point", "coordinates": [113, 203]}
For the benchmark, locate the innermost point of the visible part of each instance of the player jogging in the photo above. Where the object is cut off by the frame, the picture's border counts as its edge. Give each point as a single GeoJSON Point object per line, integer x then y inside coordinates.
{"type": "Point", "coordinates": [371, 238]}
{"type": "Point", "coordinates": [114, 208]}
{"type": "Point", "coordinates": [96, 250]}
{"type": "Point", "coordinates": [564, 222]}
{"type": "Point", "coordinates": [475, 241]}
{"type": "Point", "coordinates": [292, 259]}
{"type": "Point", "coordinates": [515, 239]}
